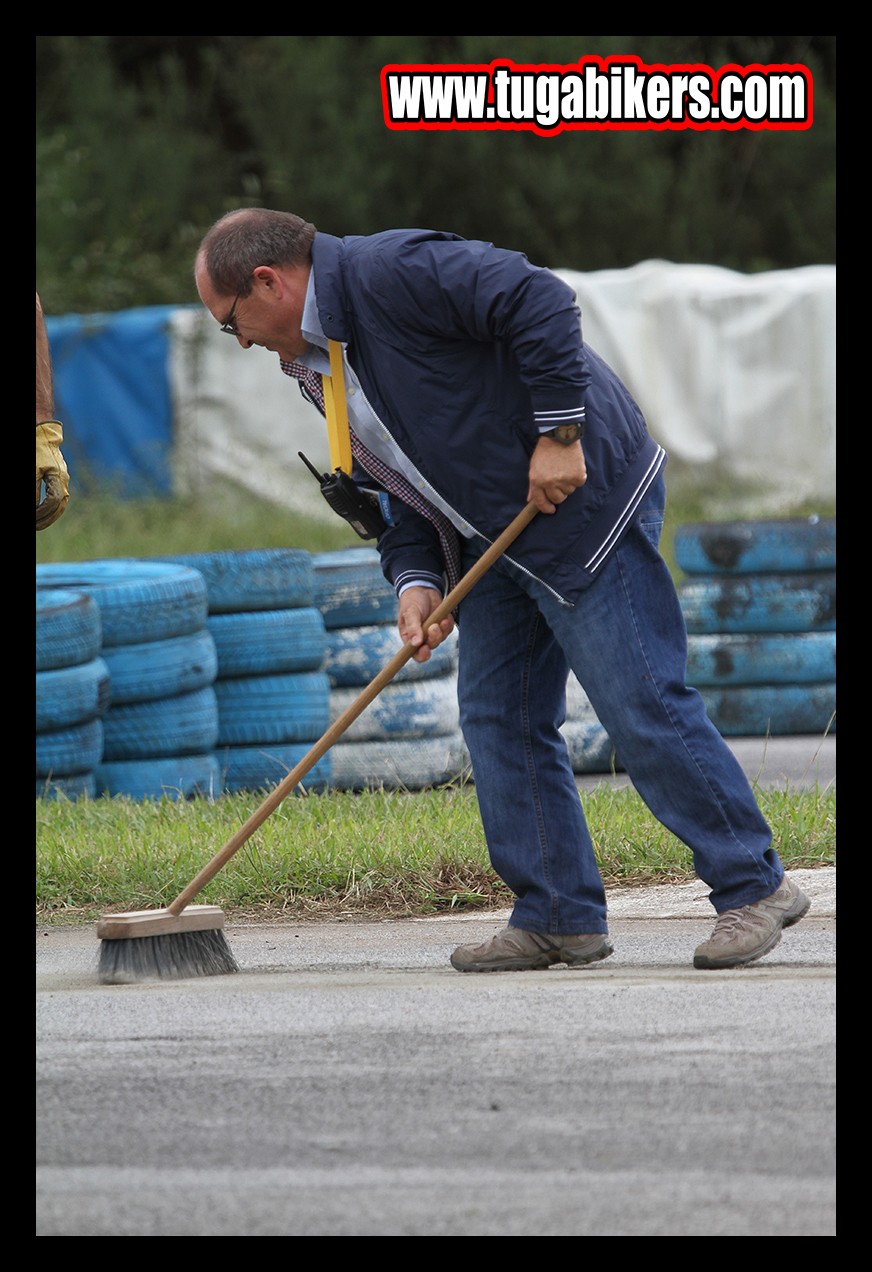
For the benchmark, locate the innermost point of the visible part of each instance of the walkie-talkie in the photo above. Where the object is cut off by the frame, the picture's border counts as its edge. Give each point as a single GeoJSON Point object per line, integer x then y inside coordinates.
{"type": "Point", "coordinates": [352, 504]}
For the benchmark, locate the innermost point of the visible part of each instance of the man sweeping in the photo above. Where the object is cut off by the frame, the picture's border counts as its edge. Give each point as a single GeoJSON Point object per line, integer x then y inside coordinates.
{"type": "Point", "coordinates": [470, 390]}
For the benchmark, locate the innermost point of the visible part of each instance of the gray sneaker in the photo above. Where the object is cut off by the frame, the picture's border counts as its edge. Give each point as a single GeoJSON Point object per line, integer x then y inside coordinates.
{"type": "Point", "coordinates": [514, 950]}
{"type": "Point", "coordinates": [746, 934]}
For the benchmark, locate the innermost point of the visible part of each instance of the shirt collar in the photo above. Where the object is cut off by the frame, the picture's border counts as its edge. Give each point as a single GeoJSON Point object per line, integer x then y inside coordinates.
{"type": "Point", "coordinates": [311, 328]}
{"type": "Point", "coordinates": [311, 323]}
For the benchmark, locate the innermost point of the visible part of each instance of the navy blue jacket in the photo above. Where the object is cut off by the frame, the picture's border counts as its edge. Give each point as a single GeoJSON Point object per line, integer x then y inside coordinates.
{"type": "Point", "coordinates": [457, 343]}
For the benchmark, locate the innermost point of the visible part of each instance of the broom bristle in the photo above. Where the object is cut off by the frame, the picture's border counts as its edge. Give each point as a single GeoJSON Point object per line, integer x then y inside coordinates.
{"type": "Point", "coordinates": [167, 956]}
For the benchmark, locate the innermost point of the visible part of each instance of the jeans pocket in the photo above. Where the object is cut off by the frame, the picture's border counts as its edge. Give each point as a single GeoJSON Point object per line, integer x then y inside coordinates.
{"type": "Point", "coordinates": [653, 511]}
{"type": "Point", "coordinates": [651, 524]}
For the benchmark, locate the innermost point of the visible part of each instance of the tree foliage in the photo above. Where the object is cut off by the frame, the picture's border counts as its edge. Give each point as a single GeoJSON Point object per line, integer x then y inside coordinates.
{"type": "Point", "coordinates": [142, 141]}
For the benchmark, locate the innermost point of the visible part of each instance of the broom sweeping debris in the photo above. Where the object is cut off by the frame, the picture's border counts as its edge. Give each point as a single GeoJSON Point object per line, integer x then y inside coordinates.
{"type": "Point", "coordinates": [184, 941]}
{"type": "Point", "coordinates": [176, 946]}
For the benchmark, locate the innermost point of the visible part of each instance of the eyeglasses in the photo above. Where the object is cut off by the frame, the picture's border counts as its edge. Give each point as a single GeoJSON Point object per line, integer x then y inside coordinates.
{"type": "Point", "coordinates": [228, 324]}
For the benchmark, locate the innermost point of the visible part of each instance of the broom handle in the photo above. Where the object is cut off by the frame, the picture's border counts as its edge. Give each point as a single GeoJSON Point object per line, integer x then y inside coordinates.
{"type": "Point", "coordinates": [350, 714]}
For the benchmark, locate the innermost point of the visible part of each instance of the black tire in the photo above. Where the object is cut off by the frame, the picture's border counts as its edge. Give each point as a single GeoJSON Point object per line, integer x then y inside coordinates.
{"type": "Point", "coordinates": [138, 600]}
{"type": "Point", "coordinates": [162, 668]}
{"type": "Point", "coordinates": [350, 589]}
{"type": "Point", "coordinates": [410, 766]}
{"type": "Point", "coordinates": [70, 751]}
{"type": "Point", "coordinates": [261, 768]}
{"type": "Point", "coordinates": [184, 725]}
{"type": "Point", "coordinates": [255, 579]}
{"type": "Point", "coordinates": [759, 603]}
{"type": "Point", "coordinates": [758, 658]}
{"type": "Point", "coordinates": [284, 708]}
{"type": "Point", "coordinates": [791, 545]}
{"type": "Point", "coordinates": [416, 709]}
{"type": "Point", "coordinates": [161, 777]}
{"type": "Point", "coordinates": [779, 710]}
{"type": "Point", "coordinates": [265, 642]}
{"type": "Point", "coordinates": [356, 655]}
{"type": "Point", "coordinates": [71, 695]}
{"type": "Point", "coordinates": [68, 629]}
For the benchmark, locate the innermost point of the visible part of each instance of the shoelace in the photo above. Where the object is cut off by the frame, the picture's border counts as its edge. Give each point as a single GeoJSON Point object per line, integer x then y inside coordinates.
{"type": "Point", "coordinates": [728, 921]}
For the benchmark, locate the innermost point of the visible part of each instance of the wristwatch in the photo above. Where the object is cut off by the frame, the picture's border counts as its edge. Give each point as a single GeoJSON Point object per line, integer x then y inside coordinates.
{"type": "Point", "coordinates": [565, 434]}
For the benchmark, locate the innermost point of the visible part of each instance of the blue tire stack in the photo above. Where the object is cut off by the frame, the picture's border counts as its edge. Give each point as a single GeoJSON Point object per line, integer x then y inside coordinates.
{"type": "Point", "coordinates": [160, 726]}
{"type": "Point", "coordinates": [72, 693]}
{"type": "Point", "coordinates": [409, 737]}
{"type": "Point", "coordinates": [272, 692]}
{"type": "Point", "coordinates": [759, 602]}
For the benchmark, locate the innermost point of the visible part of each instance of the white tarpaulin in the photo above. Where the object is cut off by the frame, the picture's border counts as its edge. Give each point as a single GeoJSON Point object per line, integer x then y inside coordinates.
{"type": "Point", "coordinates": [733, 371]}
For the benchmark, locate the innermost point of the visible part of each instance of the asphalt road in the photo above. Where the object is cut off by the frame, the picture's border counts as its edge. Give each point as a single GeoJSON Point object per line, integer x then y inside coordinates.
{"type": "Point", "coordinates": [348, 1082]}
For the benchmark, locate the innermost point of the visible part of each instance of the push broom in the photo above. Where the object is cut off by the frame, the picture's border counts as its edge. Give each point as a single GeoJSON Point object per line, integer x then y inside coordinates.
{"type": "Point", "coordinates": [186, 940]}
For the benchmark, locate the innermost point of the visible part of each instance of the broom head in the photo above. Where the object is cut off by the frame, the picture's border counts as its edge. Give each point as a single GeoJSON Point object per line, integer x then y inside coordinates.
{"type": "Point", "coordinates": [143, 945]}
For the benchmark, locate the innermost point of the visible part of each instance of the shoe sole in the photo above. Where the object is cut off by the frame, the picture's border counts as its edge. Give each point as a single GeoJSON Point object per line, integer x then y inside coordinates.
{"type": "Point", "coordinates": [538, 964]}
{"type": "Point", "coordinates": [702, 961]}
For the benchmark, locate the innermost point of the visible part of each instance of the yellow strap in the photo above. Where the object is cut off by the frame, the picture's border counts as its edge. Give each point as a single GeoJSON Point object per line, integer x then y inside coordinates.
{"type": "Point", "coordinates": [337, 414]}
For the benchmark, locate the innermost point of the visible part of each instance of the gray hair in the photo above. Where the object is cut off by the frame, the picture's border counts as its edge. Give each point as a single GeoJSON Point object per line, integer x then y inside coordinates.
{"type": "Point", "coordinates": [243, 239]}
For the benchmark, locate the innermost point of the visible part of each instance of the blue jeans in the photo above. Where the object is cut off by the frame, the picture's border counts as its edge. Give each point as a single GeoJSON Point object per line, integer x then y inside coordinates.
{"type": "Point", "coordinates": [626, 642]}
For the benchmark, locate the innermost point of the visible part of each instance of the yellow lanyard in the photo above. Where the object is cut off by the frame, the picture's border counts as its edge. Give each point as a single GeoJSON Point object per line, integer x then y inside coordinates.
{"type": "Point", "coordinates": [338, 433]}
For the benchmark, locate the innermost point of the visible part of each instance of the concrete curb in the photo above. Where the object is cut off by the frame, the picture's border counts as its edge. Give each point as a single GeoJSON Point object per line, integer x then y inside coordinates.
{"type": "Point", "coordinates": [690, 900]}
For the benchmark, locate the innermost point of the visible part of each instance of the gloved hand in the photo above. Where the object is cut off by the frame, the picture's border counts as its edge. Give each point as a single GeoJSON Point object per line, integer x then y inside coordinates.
{"type": "Point", "coordinates": [51, 473]}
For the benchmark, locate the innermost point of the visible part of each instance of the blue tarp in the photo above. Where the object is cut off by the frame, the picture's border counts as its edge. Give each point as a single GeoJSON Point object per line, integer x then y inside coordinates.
{"type": "Point", "coordinates": [113, 394]}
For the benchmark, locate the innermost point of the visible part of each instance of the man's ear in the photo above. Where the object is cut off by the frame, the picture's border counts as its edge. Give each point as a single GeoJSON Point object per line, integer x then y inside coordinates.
{"type": "Point", "coordinates": [269, 278]}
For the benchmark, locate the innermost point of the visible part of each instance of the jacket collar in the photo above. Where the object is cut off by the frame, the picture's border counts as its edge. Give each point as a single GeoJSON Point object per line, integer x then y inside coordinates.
{"type": "Point", "coordinates": [327, 253]}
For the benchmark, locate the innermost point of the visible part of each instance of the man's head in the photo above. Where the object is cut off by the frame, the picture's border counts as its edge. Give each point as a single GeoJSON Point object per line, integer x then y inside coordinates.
{"type": "Point", "coordinates": [252, 270]}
